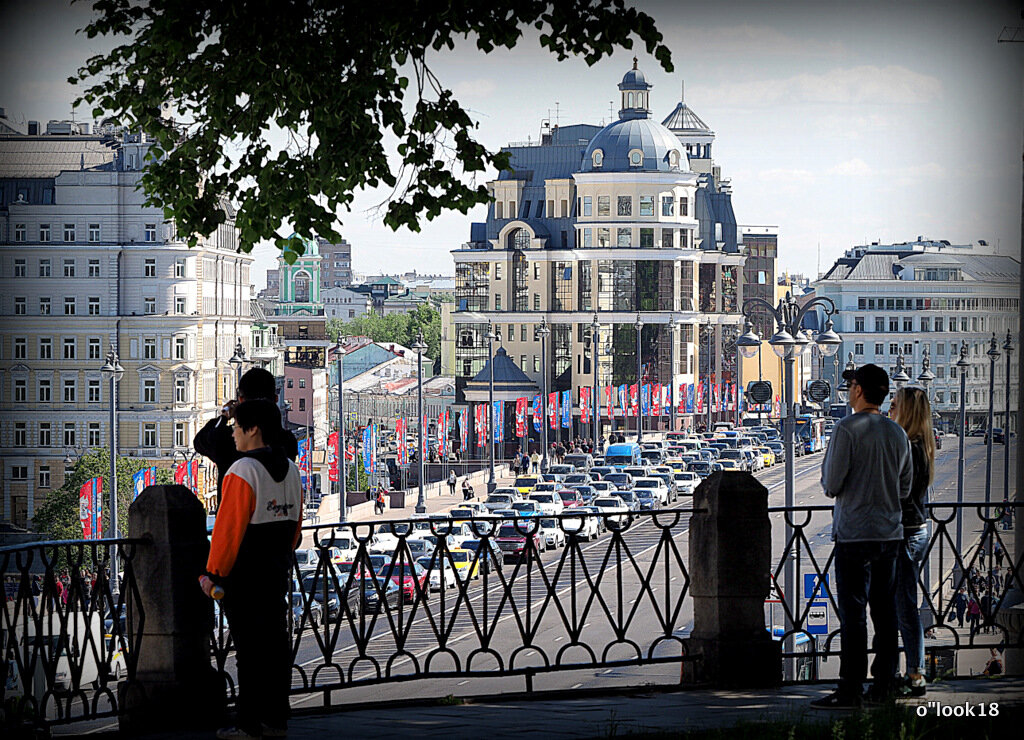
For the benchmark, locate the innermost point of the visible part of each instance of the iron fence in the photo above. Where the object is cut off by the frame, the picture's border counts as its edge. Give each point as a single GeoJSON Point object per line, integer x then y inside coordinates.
{"type": "Point", "coordinates": [67, 639]}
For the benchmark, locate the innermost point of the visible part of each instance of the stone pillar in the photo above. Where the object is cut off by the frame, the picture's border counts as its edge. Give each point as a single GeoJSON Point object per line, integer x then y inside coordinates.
{"type": "Point", "coordinates": [175, 686]}
{"type": "Point", "coordinates": [730, 567]}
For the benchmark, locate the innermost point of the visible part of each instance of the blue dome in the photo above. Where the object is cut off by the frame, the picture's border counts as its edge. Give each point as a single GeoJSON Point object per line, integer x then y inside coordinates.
{"type": "Point", "coordinates": [634, 79]}
{"type": "Point", "coordinates": [618, 139]}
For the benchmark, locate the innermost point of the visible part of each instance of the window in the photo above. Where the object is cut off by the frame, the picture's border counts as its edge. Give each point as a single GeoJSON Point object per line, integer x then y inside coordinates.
{"type": "Point", "coordinates": [536, 270]}
{"type": "Point", "coordinates": [20, 390]}
{"type": "Point", "coordinates": [148, 349]}
{"type": "Point", "coordinates": [149, 306]}
{"type": "Point", "coordinates": [497, 301]}
{"type": "Point", "coordinates": [94, 268]}
{"type": "Point", "coordinates": [94, 306]}
{"type": "Point", "coordinates": [940, 372]}
{"type": "Point", "coordinates": [684, 206]}
{"type": "Point", "coordinates": [94, 391]}
{"type": "Point", "coordinates": [149, 268]}
{"type": "Point", "coordinates": [522, 361]}
{"type": "Point", "coordinates": [44, 268]}
{"type": "Point", "coordinates": [302, 382]}
{"type": "Point", "coordinates": [94, 348]}
{"type": "Point", "coordinates": [588, 205]}
{"type": "Point", "coordinates": [44, 306]}
{"type": "Point", "coordinates": [604, 207]}
{"type": "Point", "coordinates": [69, 232]}
{"type": "Point", "coordinates": [45, 434]}
{"type": "Point", "coordinates": [179, 348]}
{"type": "Point", "coordinates": [291, 382]}
{"type": "Point", "coordinates": [667, 238]}
{"type": "Point", "coordinates": [624, 237]}
{"type": "Point", "coordinates": [564, 212]}
{"type": "Point", "coordinates": [20, 348]}
{"type": "Point", "coordinates": [597, 157]}
{"type": "Point", "coordinates": [150, 235]}
{"type": "Point", "coordinates": [179, 268]}
{"type": "Point", "coordinates": [94, 232]}
{"type": "Point", "coordinates": [604, 237]}
{"type": "Point", "coordinates": [908, 325]}
{"type": "Point", "coordinates": [940, 397]}
{"type": "Point", "coordinates": [940, 349]}
{"type": "Point", "coordinates": [636, 158]}
{"type": "Point", "coordinates": [646, 205]}
{"type": "Point", "coordinates": [938, 323]}
{"type": "Point", "coordinates": [19, 268]}
{"type": "Point", "coordinates": [44, 476]}
{"type": "Point", "coordinates": [858, 323]}
{"type": "Point", "coordinates": [963, 324]}
{"type": "Point", "coordinates": [667, 206]}
{"type": "Point", "coordinates": [536, 301]}
{"type": "Point", "coordinates": [646, 238]}
{"type": "Point", "coordinates": [512, 209]}
{"type": "Point", "coordinates": [69, 434]}
{"type": "Point", "coordinates": [908, 349]}
{"type": "Point", "coordinates": [522, 337]}
{"type": "Point", "coordinates": [149, 435]}
{"type": "Point", "coordinates": [879, 324]}
{"type": "Point", "coordinates": [894, 348]}
{"type": "Point", "coordinates": [879, 348]}
{"type": "Point", "coordinates": [20, 434]}
{"type": "Point", "coordinates": [70, 390]}
{"type": "Point", "coordinates": [536, 364]}
{"type": "Point", "coordinates": [19, 306]}
{"type": "Point", "coordinates": [70, 348]}
{"type": "Point", "coordinates": [149, 391]}
{"type": "Point", "coordinates": [179, 304]}
{"type": "Point", "coordinates": [894, 325]}
{"type": "Point", "coordinates": [179, 434]}
{"type": "Point", "coordinates": [588, 238]}
{"type": "Point", "coordinates": [19, 232]}
{"type": "Point", "coordinates": [19, 472]}
{"type": "Point", "coordinates": [44, 232]}
{"type": "Point", "coordinates": [45, 348]}
{"type": "Point", "coordinates": [69, 306]}
{"type": "Point", "coordinates": [43, 391]}
{"type": "Point", "coordinates": [69, 268]}
{"type": "Point", "coordinates": [180, 390]}
{"type": "Point", "coordinates": [302, 404]}
{"type": "Point", "coordinates": [498, 210]}
{"type": "Point", "coordinates": [625, 207]}
{"type": "Point", "coordinates": [92, 438]}
{"type": "Point", "coordinates": [926, 324]}
{"type": "Point", "coordinates": [858, 348]}
{"type": "Point", "coordinates": [953, 396]}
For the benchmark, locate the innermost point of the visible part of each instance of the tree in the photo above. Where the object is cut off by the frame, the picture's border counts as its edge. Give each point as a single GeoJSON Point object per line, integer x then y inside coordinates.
{"type": "Point", "coordinates": [335, 77]}
{"type": "Point", "coordinates": [58, 515]}
{"type": "Point", "coordinates": [399, 328]}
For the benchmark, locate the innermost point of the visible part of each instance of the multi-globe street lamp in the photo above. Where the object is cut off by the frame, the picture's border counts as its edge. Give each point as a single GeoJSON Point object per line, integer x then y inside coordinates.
{"type": "Point", "coordinates": [491, 336]}
{"type": "Point", "coordinates": [419, 347]}
{"type": "Point", "coordinates": [639, 325]}
{"type": "Point", "coordinates": [543, 332]}
{"type": "Point", "coordinates": [962, 366]}
{"type": "Point", "coordinates": [236, 361]}
{"type": "Point", "coordinates": [595, 343]}
{"type": "Point", "coordinates": [112, 371]}
{"type": "Point", "coordinates": [788, 317]}
{"type": "Point", "coordinates": [1008, 349]}
{"type": "Point", "coordinates": [993, 355]}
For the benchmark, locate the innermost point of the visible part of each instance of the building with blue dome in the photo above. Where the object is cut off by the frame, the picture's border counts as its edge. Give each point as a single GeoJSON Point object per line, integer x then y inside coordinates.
{"type": "Point", "coordinates": [604, 222]}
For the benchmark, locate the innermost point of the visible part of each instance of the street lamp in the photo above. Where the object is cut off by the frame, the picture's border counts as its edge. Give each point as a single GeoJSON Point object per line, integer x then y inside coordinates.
{"type": "Point", "coordinates": [419, 346]}
{"type": "Point", "coordinates": [900, 377]}
{"type": "Point", "coordinates": [673, 327]}
{"type": "Point", "coordinates": [747, 344]}
{"type": "Point", "coordinates": [238, 359]}
{"type": "Point", "coordinates": [543, 332]}
{"type": "Point", "coordinates": [639, 381]}
{"type": "Point", "coordinates": [843, 389]}
{"type": "Point", "coordinates": [113, 371]}
{"type": "Point", "coordinates": [491, 336]}
{"type": "Point", "coordinates": [595, 328]}
{"type": "Point", "coordinates": [926, 375]}
{"type": "Point", "coordinates": [962, 367]}
{"type": "Point", "coordinates": [1008, 348]}
{"type": "Point", "coordinates": [789, 316]}
{"type": "Point", "coordinates": [993, 355]}
{"type": "Point", "coordinates": [342, 442]}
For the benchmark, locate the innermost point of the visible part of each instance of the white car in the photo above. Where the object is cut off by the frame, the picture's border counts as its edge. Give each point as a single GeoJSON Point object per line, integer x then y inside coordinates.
{"type": "Point", "coordinates": [385, 539]}
{"type": "Point", "coordinates": [686, 483]}
{"type": "Point", "coordinates": [548, 503]}
{"type": "Point", "coordinates": [440, 574]}
{"type": "Point", "coordinates": [611, 505]}
{"type": "Point", "coordinates": [551, 534]}
{"type": "Point", "coordinates": [497, 501]}
{"type": "Point", "coordinates": [603, 487]}
{"type": "Point", "coordinates": [587, 526]}
{"type": "Point", "coordinates": [655, 484]}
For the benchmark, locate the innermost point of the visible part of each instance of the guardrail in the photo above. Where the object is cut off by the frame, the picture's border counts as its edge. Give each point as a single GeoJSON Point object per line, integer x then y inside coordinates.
{"type": "Point", "coordinates": [67, 636]}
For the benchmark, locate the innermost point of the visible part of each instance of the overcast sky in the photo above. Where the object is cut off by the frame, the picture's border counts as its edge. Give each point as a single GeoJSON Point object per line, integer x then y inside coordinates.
{"type": "Point", "coordinates": [840, 123]}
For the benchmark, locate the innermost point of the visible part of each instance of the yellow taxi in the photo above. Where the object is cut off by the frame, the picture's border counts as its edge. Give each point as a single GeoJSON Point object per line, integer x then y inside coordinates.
{"type": "Point", "coordinates": [525, 484]}
{"type": "Point", "coordinates": [466, 564]}
{"type": "Point", "coordinates": [676, 464]}
{"type": "Point", "coordinates": [767, 454]}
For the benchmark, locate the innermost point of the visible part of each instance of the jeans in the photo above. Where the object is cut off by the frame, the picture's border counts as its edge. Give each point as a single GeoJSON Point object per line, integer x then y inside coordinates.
{"type": "Point", "coordinates": [908, 567]}
{"type": "Point", "coordinates": [866, 575]}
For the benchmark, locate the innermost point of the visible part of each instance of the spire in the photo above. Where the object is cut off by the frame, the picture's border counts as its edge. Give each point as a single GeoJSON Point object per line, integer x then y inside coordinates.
{"type": "Point", "coordinates": [634, 62]}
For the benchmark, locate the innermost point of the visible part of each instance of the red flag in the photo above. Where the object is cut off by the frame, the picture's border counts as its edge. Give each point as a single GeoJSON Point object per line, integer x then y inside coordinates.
{"type": "Point", "coordinates": [700, 397]}
{"type": "Point", "coordinates": [553, 410]}
{"type": "Point", "coordinates": [180, 473]}
{"type": "Point", "coordinates": [332, 457]}
{"type": "Point", "coordinates": [90, 508]}
{"type": "Point", "coordinates": [521, 404]}
{"type": "Point", "coordinates": [608, 401]}
{"type": "Point", "coordinates": [656, 399]}
{"type": "Point", "coordinates": [585, 404]}
{"type": "Point", "coordinates": [634, 399]}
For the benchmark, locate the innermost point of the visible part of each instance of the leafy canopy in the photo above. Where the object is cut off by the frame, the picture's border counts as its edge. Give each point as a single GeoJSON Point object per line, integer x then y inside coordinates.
{"type": "Point", "coordinates": [335, 77]}
{"type": "Point", "coordinates": [400, 328]}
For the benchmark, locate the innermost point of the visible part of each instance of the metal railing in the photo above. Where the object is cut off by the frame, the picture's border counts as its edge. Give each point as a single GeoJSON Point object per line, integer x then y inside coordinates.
{"type": "Point", "coordinates": [67, 637]}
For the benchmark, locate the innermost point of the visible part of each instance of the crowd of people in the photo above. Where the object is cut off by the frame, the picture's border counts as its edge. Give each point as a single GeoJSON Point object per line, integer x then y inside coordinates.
{"type": "Point", "coordinates": [70, 589]}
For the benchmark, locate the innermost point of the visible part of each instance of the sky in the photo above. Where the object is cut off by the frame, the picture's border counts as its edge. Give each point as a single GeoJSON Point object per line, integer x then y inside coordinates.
{"type": "Point", "coordinates": [839, 123]}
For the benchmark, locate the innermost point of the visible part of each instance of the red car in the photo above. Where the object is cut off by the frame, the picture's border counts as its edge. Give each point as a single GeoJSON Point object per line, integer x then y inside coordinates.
{"type": "Point", "coordinates": [411, 577]}
{"type": "Point", "coordinates": [513, 540]}
{"type": "Point", "coordinates": [571, 498]}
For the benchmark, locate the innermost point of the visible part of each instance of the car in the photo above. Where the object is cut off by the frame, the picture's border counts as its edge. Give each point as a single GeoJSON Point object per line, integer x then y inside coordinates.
{"type": "Point", "coordinates": [586, 493]}
{"type": "Point", "coordinates": [517, 540]}
{"type": "Point", "coordinates": [603, 486]}
{"type": "Point", "coordinates": [375, 592]}
{"type": "Point", "coordinates": [386, 537]}
{"type": "Point", "coordinates": [583, 524]}
{"type": "Point", "coordinates": [467, 565]}
{"type": "Point", "coordinates": [581, 461]}
{"type": "Point", "coordinates": [702, 468]}
{"type": "Point", "coordinates": [432, 540]}
{"type": "Point", "coordinates": [767, 454]}
{"type": "Point", "coordinates": [601, 470]}
{"type": "Point", "coordinates": [741, 460]}
{"type": "Point", "coordinates": [707, 454]}
{"type": "Point", "coordinates": [306, 559]}
{"type": "Point", "coordinates": [549, 503]}
{"type": "Point", "coordinates": [570, 498]}
{"type": "Point", "coordinates": [323, 589]}
{"type": "Point", "coordinates": [305, 614]}
{"type": "Point", "coordinates": [613, 509]}
{"type": "Point", "coordinates": [342, 547]}
{"type": "Point", "coordinates": [525, 483]}
{"type": "Point", "coordinates": [998, 437]}
{"type": "Point", "coordinates": [778, 449]}
{"type": "Point", "coordinates": [669, 481]}
{"type": "Point", "coordinates": [630, 499]}
{"type": "Point", "coordinates": [467, 510]}
{"type": "Point", "coordinates": [551, 534]}
{"type": "Point", "coordinates": [938, 439]}
{"type": "Point", "coordinates": [622, 454]}
{"type": "Point", "coordinates": [529, 507]}
{"type": "Point", "coordinates": [551, 477]}
{"type": "Point", "coordinates": [410, 577]}
{"type": "Point", "coordinates": [754, 459]}
{"type": "Point", "coordinates": [978, 432]}
{"type": "Point", "coordinates": [487, 549]}
{"type": "Point", "coordinates": [621, 481]}
{"type": "Point", "coordinates": [561, 469]}
{"type": "Point", "coordinates": [648, 498]}
{"type": "Point", "coordinates": [638, 471]}
{"type": "Point", "coordinates": [730, 465]}
{"type": "Point", "coordinates": [497, 501]}
{"type": "Point", "coordinates": [686, 482]}
{"type": "Point", "coordinates": [577, 479]}
{"type": "Point", "coordinates": [440, 573]}
{"type": "Point", "coordinates": [653, 457]}
{"type": "Point", "coordinates": [655, 484]}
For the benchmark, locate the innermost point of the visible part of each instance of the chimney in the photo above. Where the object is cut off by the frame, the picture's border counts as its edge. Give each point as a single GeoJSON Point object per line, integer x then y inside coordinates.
{"type": "Point", "coordinates": [33, 128]}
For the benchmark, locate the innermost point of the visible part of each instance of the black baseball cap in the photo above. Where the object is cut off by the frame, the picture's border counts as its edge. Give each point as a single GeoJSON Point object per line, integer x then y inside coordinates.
{"type": "Point", "coordinates": [872, 379]}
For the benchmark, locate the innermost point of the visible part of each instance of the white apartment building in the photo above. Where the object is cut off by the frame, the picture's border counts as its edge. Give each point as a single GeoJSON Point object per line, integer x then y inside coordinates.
{"type": "Point", "coordinates": [86, 266]}
{"type": "Point", "coordinates": [929, 296]}
{"type": "Point", "coordinates": [345, 304]}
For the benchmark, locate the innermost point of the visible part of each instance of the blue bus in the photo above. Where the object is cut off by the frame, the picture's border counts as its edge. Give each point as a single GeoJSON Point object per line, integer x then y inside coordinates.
{"type": "Point", "coordinates": [810, 432]}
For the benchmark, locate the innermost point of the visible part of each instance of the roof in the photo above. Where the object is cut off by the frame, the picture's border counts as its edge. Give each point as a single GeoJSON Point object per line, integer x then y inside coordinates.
{"type": "Point", "coordinates": [48, 156]}
{"type": "Point", "coordinates": [618, 139]}
{"type": "Point", "coordinates": [383, 280]}
{"type": "Point", "coordinates": [684, 119]}
{"type": "Point", "coordinates": [507, 375]}
{"type": "Point", "coordinates": [890, 265]}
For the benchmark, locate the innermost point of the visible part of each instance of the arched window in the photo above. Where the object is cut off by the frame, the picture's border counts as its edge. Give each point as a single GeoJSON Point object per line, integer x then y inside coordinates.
{"type": "Point", "coordinates": [301, 288]}
{"type": "Point", "coordinates": [598, 157]}
{"type": "Point", "coordinates": [636, 158]}
{"type": "Point", "coordinates": [629, 100]}
{"type": "Point", "coordinates": [519, 239]}
{"type": "Point", "coordinates": [640, 100]}
{"type": "Point", "coordinates": [673, 158]}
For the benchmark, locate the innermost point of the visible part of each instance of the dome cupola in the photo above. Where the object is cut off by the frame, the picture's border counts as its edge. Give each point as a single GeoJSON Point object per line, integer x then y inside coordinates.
{"type": "Point", "coordinates": [634, 93]}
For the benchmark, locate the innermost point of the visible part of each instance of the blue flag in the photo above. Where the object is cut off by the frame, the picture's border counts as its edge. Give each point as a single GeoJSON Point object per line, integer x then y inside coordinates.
{"type": "Point", "coordinates": [566, 409]}
{"type": "Point", "coordinates": [367, 447]}
{"type": "Point", "coordinates": [645, 399]}
{"type": "Point", "coordinates": [498, 421]}
{"type": "Point", "coordinates": [537, 421]}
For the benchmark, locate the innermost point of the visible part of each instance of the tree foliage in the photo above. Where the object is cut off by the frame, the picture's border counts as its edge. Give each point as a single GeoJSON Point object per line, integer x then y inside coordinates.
{"type": "Point", "coordinates": [400, 328]}
{"type": "Point", "coordinates": [334, 76]}
{"type": "Point", "coordinates": [58, 515]}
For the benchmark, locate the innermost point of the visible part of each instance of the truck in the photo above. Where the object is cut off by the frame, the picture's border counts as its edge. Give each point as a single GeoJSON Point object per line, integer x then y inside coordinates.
{"type": "Point", "coordinates": [622, 455]}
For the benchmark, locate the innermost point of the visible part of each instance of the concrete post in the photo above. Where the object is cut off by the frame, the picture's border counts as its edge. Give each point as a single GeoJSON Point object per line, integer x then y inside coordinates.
{"type": "Point", "coordinates": [731, 541]}
{"type": "Point", "coordinates": [176, 686]}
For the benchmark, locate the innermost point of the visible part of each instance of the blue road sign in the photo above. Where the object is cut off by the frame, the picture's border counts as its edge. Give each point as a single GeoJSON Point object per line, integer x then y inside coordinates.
{"type": "Point", "coordinates": [811, 583]}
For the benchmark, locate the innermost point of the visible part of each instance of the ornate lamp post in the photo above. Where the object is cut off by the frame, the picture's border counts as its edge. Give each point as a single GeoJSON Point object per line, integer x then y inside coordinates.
{"type": "Point", "coordinates": [962, 367]}
{"type": "Point", "coordinates": [900, 377]}
{"type": "Point", "coordinates": [747, 344]}
{"type": "Point", "coordinates": [544, 332]}
{"type": "Point", "coordinates": [639, 325]}
{"type": "Point", "coordinates": [342, 442]}
{"type": "Point", "coordinates": [789, 316]}
{"type": "Point", "coordinates": [237, 360]}
{"type": "Point", "coordinates": [707, 383]}
{"type": "Point", "coordinates": [843, 389]}
{"type": "Point", "coordinates": [926, 376]}
{"type": "Point", "coordinates": [993, 355]}
{"type": "Point", "coordinates": [113, 371]}
{"type": "Point", "coordinates": [595, 344]}
{"type": "Point", "coordinates": [491, 336]}
{"type": "Point", "coordinates": [419, 346]}
{"type": "Point", "coordinates": [1008, 349]}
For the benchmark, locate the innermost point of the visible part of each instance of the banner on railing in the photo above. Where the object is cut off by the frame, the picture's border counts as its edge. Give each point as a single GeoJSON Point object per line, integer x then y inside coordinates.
{"type": "Point", "coordinates": [143, 478]}
{"type": "Point", "coordinates": [90, 508]}
{"type": "Point", "coordinates": [521, 417]}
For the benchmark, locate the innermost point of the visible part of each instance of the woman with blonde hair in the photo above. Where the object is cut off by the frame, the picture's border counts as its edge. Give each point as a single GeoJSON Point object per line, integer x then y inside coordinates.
{"type": "Point", "coordinates": [911, 410]}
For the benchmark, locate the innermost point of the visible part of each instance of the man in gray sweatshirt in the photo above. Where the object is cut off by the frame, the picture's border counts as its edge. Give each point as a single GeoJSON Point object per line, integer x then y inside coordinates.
{"type": "Point", "coordinates": [867, 470]}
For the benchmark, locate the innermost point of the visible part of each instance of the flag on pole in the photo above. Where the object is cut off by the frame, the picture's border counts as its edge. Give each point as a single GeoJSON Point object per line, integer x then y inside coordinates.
{"type": "Point", "coordinates": [656, 399]}
{"type": "Point", "coordinates": [584, 404]}
{"type": "Point", "coordinates": [521, 404]}
{"type": "Point", "coordinates": [403, 446]}
{"type": "Point", "coordinates": [332, 457]}
{"type": "Point", "coordinates": [700, 397]}
{"type": "Point", "coordinates": [553, 409]}
{"type": "Point", "coordinates": [367, 463]}
{"type": "Point", "coordinates": [463, 431]}
{"type": "Point", "coordinates": [634, 400]}
{"type": "Point", "coordinates": [622, 400]}
{"type": "Point", "coordinates": [645, 399]}
{"type": "Point", "coordinates": [143, 478]}
{"type": "Point", "coordinates": [608, 401]}
{"type": "Point", "coordinates": [567, 409]}
{"type": "Point", "coordinates": [498, 421]}
{"type": "Point", "coordinates": [90, 508]}
{"type": "Point", "coordinates": [425, 447]}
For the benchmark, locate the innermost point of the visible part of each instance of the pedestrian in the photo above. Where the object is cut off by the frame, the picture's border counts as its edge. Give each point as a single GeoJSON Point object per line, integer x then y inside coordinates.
{"type": "Point", "coordinates": [467, 490]}
{"type": "Point", "coordinates": [378, 503]}
{"type": "Point", "coordinates": [985, 607]}
{"type": "Point", "coordinates": [868, 470]}
{"type": "Point", "coordinates": [973, 614]}
{"type": "Point", "coordinates": [999, 555]}
{"type": "Point", "coordinates": [452, 481]}
{"type": "Point", "coordinates": [994, 666]}
{"type": "Point", "coordinates": [535, 462]}
{"type": "Point", "coordinates": [251, 557]}
{"type": "Point", "coordinates": [911, 410]}
{"type": "Point", "coordinates": [958, 604]}
{"type": "Point", "coordinates": [215, 440]}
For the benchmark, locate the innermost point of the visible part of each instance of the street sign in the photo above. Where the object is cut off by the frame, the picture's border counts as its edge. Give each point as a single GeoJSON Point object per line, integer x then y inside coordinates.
{"type": "Point", "coordinates": [811, 583]}
{"type": "Point", "coordinates": [818, 390]}
{"type": "Point", "coordinates": [817, 618]}
{"type": "Point", "coordinates": [759, 391]}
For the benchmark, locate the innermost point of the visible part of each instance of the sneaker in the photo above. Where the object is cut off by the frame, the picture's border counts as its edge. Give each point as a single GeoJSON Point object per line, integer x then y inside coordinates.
{"type": "Point", "coordinates": [837, 700]}
{"type": "Point", "coordinates": [912, 686]}
{"type": "Point", "coordinates": [235, 733]}
{"type": "Point", "coordinates": [271, 731]}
